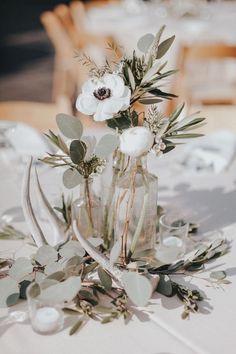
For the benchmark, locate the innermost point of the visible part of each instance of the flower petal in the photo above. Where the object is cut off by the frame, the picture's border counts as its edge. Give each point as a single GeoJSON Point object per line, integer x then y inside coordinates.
{"type": "Point", "coordinates": [89, 86]}
{"type": "Point", "coordinates": [115, 83]}
{"type": "Point", "coordinates": [86, 104]}
{"type": "Point", "coordinates": [100, 114]}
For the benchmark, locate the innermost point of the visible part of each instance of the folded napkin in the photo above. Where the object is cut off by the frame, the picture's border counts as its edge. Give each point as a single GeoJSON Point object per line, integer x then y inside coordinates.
{"type": "Point", "coordinates": [210, 154]}
{"type": "Point", "coordinates": [27, 141]}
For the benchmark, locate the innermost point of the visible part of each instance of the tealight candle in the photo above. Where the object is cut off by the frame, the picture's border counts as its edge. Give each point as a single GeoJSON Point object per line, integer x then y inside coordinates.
{"type": "Point", "coordinates": [173, 241]}
{"type": "Point", "coordinates": [47, 320]}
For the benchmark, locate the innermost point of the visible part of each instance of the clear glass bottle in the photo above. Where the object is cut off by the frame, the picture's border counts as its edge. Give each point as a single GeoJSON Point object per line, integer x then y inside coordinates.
{"type": "Point", "coordinates": [87, 210]}
{"type": "Point", "coordinates": [136, 211]}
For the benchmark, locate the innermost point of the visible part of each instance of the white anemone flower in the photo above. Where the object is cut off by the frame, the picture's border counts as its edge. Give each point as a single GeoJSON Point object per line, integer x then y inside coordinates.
{"type": "Point", "coordinates": [103, 97]}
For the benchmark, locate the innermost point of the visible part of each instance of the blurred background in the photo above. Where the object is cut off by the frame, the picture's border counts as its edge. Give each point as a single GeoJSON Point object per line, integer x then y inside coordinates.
{"type": "Point", "coordinates": [40, 74]}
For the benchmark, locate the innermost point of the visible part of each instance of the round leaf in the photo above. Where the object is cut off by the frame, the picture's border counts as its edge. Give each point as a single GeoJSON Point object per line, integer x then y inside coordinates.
{"type": "Point", "coordinates": [145, 42]}
{"type": "Point", "coordinates": [137, 287]}
{"type": "Point", "coordinates": [106, 145]}
{"type": "Point", "coordinates": [70, 126]}
{"type": "Point", "coordinates": [165, 286]}
{"type": "Point", "coordinates": [77, 151]}
{"type": "Point", "coordinates": [61, 292]}
{"type": "Point", "coordinates": [8, 287]}
{"type": "Point", "coordinates": [21, 267]}
{"type": "Point", "coordinates": [71, 178]}
{"type": "Point", "coordinates": [72, 248]}
{"type": "Point", "coordinates": [218, 275]}
{"type": "Point", "coordinates": [46, 254]}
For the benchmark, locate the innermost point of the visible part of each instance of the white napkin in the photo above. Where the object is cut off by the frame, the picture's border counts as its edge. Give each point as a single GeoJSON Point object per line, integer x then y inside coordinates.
{"type": "Point", "coordinates": [211, 154]}
{"type": "Point", "coordinates": [28, 142]}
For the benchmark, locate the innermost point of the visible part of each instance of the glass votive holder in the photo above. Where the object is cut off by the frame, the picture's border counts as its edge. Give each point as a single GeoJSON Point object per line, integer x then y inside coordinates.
{"type": "Point", "coordinates": [172, 236]}
{"type": "Point", "coordinates": [46, 317]}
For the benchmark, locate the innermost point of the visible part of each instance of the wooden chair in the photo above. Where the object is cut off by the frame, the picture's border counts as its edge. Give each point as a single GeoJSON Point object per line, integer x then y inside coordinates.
{"type": "Point", "coordinates": [40, 116]}
{"type": "Point", "coordinates": [197, 54]}
{"type": "Point", "coordinates": [63, 81]}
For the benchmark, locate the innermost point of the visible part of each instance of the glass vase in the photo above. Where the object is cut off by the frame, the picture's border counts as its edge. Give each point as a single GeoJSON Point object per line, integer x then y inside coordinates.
{"type": "Point", "coordinates": [87, 210]}
{"type": "Point", "coordinates": [135, 209]}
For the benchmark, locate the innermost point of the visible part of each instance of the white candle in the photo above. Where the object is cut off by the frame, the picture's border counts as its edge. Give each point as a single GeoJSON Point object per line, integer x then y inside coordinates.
{"type": "Point", "coordinates": [47, 319]}
{"type": "Point", "coordinates": [170, 249]}
{"type": "Point", "coordinates": [173, 241]}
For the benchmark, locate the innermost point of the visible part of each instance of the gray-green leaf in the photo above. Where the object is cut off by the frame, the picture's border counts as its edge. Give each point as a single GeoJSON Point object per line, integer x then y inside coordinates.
{"type": "Point", "coordinates": [21, 267]}
{"type": "Point", "coordinates": [106, 145]}
{"type": "Point", "coordinates": [71, 178]}
{"type": "Point", "coordinates": [137, 287]}
{"type": "Point", "coordinates": [72, 248]}
{"type": "Point", "coordinates": [218, 275]}
{"type": "Point", "coordinates": [8, 287]}
{"type": "Point", "coordinates": [165, 286]}
{"type": "Point", "coordinates": [77, 151]}
{"type": "Point", "coordinates": [46, 254]}
{"type": "Point", "coordinates": [70, 126]}
{"type": "Point", "coordinates": [64, 291]}
{"type": "Point", "coordinates": [164, 47]}
{"type": "Point", "coordinates": [145, 42]}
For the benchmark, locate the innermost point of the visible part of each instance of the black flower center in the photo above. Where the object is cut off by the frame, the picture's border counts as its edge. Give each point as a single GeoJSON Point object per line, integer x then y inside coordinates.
{"type": "Point", "coordinates": [102, 93]}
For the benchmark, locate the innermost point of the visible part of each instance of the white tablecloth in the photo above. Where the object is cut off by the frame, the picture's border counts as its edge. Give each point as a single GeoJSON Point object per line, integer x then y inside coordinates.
{"type": "Point", "coordinates": [208, 199]}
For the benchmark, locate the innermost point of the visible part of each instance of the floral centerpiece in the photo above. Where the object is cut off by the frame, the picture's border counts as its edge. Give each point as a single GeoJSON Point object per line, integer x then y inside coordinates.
{"type": "Point", "coordinates": [106, 246]}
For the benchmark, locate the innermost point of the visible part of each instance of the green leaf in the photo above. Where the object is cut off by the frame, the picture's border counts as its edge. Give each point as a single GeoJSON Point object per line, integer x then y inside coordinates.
{"type": "Point", "coordinates": [8, 287]}
{"type": "Point", "coordinates": [70, 126]}
{"type": "Point", "coordinates": [131, 79]}
{"type": "Point", "coordinates": [34, 290]}
{"type": "Point", "coordinates": [137, 287]}
{"type": "Point", "coordinates": [12, 299]}
{"type": "Point", "coordinates": [176, 113]}
{"type": "Point", "coordinates": [21, 267]}
{"type": "Point", "coordinates": [59, 276]}
{"type": "Point", "coordinates": [73, 262]}
{"type": "Point", "coordinates": [105, 278]}
{"type": "Point", "coordinates": [106, 145]}
{"type": "Point", "coordinates": [145, 42]}
{"type": "Point", "coordinates": [165, 286]}
{"type": "Point", "coordinates": [61, 292]}
{"type": "Point", "coordinates": [76, 327]}
{"type": "Point", "coordinates": [159, 93]}
{"type": "Point", "coordinates": [185, 136]}
{"type": "Point", "coordinates": [23, 287]}
{"type": "Point", "coordinates": [218, 275]}
{"type": "Point", "coordinates": [151, 100]}
{"type": "Point", "coordinates": [53, 267]}
{"type": "Point", "coordinates": [46, 254]}
{"type": "Point", "coordinates": [71, 178]}
{"type": "Point", "coordinates": [77, 151]}
{"type": "Point", "coordinates": [164, 47]}
{"type": "Point", "coordinates": [47, 282]}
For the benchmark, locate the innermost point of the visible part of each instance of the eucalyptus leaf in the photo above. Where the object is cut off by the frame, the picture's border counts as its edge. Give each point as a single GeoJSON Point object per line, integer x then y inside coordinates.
{"type": "Point", "coordinates": [106, 145]}
{"type": "Point", "coordinates": [145, 42]}
{"type": "Point", "coordinates": [77, 151]}
{"type": "Point", "coordinates": [71, 178]}
{"type": "Point", "coordinates": [61, 292]}
{"type": "Point", "coordinates": [218, 275]}
{"type": "Point", "coordinates": [165, 286]}
{"type": "Point", "coordinates": [8, 286]}
{"type": "Point", "coordinates": [59, 276]}
{"type": "Point", "coordinates": [164, 47]}
{"type": "Point", "coordinates": [47, 282]}
{"type": "Point", "coordinates": [21, 267]}
{"type": "Point", "coordinates": [46, 254]}
{"type": "Point", "coordinates": [72, 262]}
{"type": "Point", "coordinates": [53, 267]}
{"type": "Point", "coordinates": [12, 299]}
{"type": "Point", "coordinates": [23, 287]}
{"type": "Point", "coordinates": [72, 248]}
{"type": "Point", "coordinates": [34, 290]}
{"type": "Point", "coordinates": [70, 126]}
{"type": "Point", "coordinates": [105, 278]}
{"type": "Point", "coordinates": [137, 287]}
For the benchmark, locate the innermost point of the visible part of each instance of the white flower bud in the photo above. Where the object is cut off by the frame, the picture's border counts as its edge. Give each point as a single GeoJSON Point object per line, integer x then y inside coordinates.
{"type": "Point", "coordinates": [136, 141]}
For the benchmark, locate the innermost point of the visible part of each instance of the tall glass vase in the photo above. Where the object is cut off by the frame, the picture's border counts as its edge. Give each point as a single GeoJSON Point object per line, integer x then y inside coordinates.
{"type": "Point", "coordinates": [135, 208]}
{"type": "Point", "coordinates": [87, 210]}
